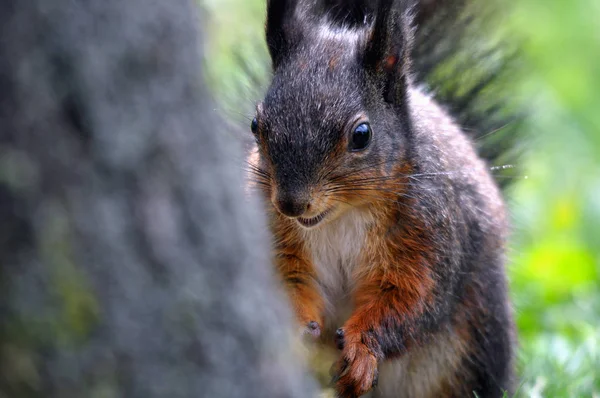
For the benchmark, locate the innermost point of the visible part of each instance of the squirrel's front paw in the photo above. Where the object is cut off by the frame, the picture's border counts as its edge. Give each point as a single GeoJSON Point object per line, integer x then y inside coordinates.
{"type": "Point", "coordinates": [356, 370]}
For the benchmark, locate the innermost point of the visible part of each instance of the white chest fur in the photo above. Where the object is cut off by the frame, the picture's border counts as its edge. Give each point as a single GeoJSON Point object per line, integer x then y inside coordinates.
{"type": "Point", "coordinates": [337, 250]}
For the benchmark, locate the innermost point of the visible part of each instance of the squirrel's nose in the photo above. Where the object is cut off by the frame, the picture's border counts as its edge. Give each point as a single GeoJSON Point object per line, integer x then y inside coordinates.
{"type": "Point", "coordinates": [292, 205]}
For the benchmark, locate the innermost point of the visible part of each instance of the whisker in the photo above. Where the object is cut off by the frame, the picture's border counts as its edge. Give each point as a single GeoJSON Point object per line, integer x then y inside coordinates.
{"type": "Point", "coordinates": [503, 167]}
{"type": "Point", "coordinates": [377, 198]}
{"type": "Point", "coordinates": [366, 167]}
{"type": "Point", "coordinates": [464, 170]}
{"type": "Point", "coordinates": [369, 192]}
{"type": "Point", "coordinates": [254, 168]}
{"type": "Point", "coordinates": [384, 178]}
{"type": "Point", "coordinates": [238, 113]}
{"type": "Point", "coordinates": [334, 199]}
{"type": "Point", "coordinates": [367, 184]}
{"type": "Point", "coordinates": [441, 173]}
{"type": "Point", "coordinates": [383, 187]}
{"type": "Point", "coordinates": [259, 178]}
{"type": "Point", "coordinates": [506, 167]}
{"type": "Point", "coordinates": [258, 173]}
{"type": "Point", "coordinates": [328, 171]}
{"type": "Point", "coordinates": [493, 131]}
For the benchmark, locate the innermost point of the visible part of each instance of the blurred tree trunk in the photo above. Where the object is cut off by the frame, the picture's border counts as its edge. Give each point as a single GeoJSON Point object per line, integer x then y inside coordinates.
{"type": "Point", "coordinates": [130, 263]}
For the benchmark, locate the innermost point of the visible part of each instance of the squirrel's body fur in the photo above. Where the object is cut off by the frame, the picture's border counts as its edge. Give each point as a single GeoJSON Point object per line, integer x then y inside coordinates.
{"type": "Point", "coordinates": [407, 252]}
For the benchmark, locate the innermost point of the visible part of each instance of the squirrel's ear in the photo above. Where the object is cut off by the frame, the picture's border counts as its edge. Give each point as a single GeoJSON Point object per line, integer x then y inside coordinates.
{"type": "Point", "coordinates": [283, 28]}
{"type": "Point", "coordinates": [387, 54]}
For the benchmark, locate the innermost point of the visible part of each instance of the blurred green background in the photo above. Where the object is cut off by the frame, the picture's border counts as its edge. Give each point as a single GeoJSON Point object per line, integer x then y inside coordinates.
{"type": "Point", "coordinates": [555, 200]}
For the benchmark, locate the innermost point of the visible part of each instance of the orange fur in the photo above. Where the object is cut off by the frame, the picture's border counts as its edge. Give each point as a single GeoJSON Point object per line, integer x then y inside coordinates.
{"type": "Point", "coordinates": [298, 274]}
{"type": "Point", "coordinates": [397, 285]}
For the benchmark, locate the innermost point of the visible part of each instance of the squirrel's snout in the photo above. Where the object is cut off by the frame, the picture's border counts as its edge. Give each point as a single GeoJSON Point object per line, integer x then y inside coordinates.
{"type": "Point", "coordinates": [292, 205]}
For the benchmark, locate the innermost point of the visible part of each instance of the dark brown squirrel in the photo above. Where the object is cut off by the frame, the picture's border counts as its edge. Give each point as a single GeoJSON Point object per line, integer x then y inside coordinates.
{"type": "Point", "coordinates": [389, 230]}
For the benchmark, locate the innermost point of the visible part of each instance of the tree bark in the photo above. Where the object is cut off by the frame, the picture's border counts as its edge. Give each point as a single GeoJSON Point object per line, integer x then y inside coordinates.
{"type": "Point", "coordinates": [130, 263]}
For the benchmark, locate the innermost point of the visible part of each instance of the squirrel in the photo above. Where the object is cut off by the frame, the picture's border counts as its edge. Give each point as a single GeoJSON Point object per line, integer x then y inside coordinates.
{"type": "Point", "coordinates": [389, 231]}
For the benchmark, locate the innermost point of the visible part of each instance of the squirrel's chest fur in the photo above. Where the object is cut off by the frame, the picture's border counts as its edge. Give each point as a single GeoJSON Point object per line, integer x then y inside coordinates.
{"type": "Point", "coordinates": [337, 252]}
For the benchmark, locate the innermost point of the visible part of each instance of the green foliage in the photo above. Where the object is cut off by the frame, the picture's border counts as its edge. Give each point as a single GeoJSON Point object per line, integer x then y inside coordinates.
{"type": "Point", "coordinates": [237, 63]}
{"type": "Point", "coordinates": [556, 210]}
{"type": "Point", "coordinates": [555, 204]}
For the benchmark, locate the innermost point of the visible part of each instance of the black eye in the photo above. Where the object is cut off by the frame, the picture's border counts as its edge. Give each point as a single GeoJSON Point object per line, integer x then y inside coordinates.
{"type": "Point", "coordinates": [254, 126]}
{"type": "Point", "coordinates": [361, 137]}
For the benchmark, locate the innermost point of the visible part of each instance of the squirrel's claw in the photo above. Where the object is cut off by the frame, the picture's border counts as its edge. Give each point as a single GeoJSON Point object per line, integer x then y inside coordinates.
{"type": "Point", "coordinates": [312, 329]}
{"type": "Point", "coordinates": [340, 341]}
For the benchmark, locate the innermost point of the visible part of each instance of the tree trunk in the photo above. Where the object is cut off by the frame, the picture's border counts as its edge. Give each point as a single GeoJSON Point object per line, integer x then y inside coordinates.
{"type": "Point", "coordinates": [130, 263]}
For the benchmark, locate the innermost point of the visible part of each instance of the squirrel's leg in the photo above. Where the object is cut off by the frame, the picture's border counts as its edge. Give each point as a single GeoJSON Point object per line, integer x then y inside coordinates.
{"type": "Point", "coordinates": [299, 277]}
{"type": "Point", "coordinates": [389, 302]}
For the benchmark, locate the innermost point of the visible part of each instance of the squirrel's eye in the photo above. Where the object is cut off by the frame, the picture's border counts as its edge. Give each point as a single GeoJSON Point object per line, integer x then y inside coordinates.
{"type": "Point", "coordinates": [361, 137]}
{"type": "Point", "coordinates": [254, 126]}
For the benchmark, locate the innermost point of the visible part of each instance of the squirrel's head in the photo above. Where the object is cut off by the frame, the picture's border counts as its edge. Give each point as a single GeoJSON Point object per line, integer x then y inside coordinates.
{"type": "Point", "coordinates": [331, 131]}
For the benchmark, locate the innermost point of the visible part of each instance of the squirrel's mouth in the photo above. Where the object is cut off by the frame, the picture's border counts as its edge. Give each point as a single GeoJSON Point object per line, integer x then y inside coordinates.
{"type": "Point", "coordinates": [312, 222]}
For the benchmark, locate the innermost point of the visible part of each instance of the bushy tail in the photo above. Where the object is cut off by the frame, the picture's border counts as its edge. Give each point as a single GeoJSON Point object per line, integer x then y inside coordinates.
{"type": "Point", "coordinates": [467, 66]}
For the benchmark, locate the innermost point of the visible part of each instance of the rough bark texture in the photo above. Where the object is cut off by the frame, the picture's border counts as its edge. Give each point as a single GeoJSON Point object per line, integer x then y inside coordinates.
{"type": "Point", "coordinates": [130, 263]}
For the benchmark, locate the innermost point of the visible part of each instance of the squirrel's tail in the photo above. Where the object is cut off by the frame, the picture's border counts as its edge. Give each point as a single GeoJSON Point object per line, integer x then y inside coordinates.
{"type": "Point", "coordinates": [467, 67]}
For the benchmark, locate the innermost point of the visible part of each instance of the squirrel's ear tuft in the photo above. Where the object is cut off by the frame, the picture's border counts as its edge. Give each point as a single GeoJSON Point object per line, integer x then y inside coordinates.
{"type": "Point", "coordinates": [284, 28]}
{"type": "Point", "coordinates": [387, 53]}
